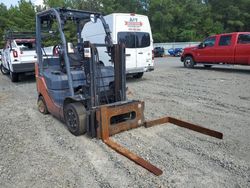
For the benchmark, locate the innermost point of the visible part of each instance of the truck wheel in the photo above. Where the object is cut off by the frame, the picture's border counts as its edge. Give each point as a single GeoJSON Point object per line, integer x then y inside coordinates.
{"type": "Point", "coordinates": [138, 75]}
{"type": "Point", "coordinates": [188, 62]}
{"type": "Point", "coordinates": [42, 107]}
{"type": "Point", "coordinates": [75, 117]}
{"type": "Point", "coordinates": [4, 70]}
{"type": "Point", "coordinates": [14, 76]}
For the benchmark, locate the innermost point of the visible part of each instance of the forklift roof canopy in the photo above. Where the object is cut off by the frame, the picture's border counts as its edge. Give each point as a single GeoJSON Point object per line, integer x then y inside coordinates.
{"type": "Point", "coordinates": [67, 14]}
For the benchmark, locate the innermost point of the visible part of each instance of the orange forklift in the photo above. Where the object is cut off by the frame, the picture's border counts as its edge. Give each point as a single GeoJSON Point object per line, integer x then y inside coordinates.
{"type": "Point", "coordinates": [76, 88]}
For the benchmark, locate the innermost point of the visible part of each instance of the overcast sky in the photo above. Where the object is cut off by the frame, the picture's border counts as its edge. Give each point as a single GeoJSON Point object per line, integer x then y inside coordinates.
{"type": "Point", "coordinates": [8, 3]}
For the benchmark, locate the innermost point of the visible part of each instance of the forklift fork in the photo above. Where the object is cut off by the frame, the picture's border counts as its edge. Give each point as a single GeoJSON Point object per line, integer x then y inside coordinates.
{"type": "Point", "coordinates": [135, 118]}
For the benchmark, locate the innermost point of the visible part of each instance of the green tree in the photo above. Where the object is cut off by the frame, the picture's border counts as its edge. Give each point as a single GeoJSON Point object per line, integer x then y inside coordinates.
{"type": "Point", "coordinates": [233, 15]}
{"type": "Point", "coordinates": [18, 18]}
{"type": "Point", "coordinates": [54, 3]}
{"type": "Point", "coordinates": [124, 6]}
{"type": "Point", "coordinates": [177, 20]}
{"type": "Point", "coordinates": [186, 20]}
{"type": "Point", "coordinates": [3, 22]}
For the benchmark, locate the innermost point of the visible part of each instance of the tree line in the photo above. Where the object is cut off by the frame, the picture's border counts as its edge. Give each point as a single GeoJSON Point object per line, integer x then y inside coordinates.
{"type": "Point", "coordinates": [185, 20]}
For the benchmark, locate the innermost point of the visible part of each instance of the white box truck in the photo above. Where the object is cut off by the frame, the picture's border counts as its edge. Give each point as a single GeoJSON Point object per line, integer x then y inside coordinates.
{"type": "Point", "coordinates": [132, 29]}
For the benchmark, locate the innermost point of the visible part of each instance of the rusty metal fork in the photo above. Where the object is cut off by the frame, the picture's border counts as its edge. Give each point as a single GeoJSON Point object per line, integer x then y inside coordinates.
{"type": "Point", "coordinates": [105, 114]}
{"type": "Point", "coordinates": [120, 149]}
{"type": "Point", "coordinates": [184, 124]}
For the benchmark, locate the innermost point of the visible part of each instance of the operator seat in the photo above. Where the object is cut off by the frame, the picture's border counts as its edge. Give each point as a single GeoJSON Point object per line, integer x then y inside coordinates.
{"type": "Point", "coordinates": [75, 61]}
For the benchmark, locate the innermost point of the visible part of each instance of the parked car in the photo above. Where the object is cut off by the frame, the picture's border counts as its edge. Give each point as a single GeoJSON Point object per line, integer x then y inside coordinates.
{"type": "Point", "coordinates": [229, 48]}
{"type": "Point", "coordinates": [158, 52]}
{"type": "Point", "coordinates": [19, 55]}
{"type": "Point", "coordinates": [175, 52]}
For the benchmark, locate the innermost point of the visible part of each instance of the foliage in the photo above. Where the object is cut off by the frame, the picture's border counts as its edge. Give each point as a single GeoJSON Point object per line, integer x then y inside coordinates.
{"type": "Point", "coordinates": [186, 20]}
{"type": "Point", "coordinates": [18, 18]}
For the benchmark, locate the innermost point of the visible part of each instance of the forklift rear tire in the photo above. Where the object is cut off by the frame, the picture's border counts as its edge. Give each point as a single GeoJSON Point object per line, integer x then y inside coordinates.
{"type": "Point", "coordinates": [75, 117]}
{"type": "Point", "coordinates": [4, 70]}
{"type": "Point", "coordinates": [14, 76]}
{"type": "Point", "coordinates": [138, 75]}
{"type": "Point", "coordinates": [42, 107]}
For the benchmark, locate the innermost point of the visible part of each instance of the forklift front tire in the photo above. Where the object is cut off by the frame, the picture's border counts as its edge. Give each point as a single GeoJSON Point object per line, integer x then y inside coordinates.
{"type": "Point", "coordinates": [75, 117]}
{"type": "Point", "coordinates": [42, 107]}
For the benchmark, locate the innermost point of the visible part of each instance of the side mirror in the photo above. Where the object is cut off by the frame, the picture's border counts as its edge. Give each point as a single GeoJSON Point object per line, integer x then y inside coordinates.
{"type": "Point", "coordinates": [202, 45]}
{"type": "Point", "coordinates": [93, 18]}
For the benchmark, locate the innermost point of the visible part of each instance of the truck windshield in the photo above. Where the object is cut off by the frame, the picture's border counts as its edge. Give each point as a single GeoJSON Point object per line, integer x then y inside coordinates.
{"type": "Point", "coordinates": [25, 46]}
{"type": "Point", "coordinates": [134, 39]}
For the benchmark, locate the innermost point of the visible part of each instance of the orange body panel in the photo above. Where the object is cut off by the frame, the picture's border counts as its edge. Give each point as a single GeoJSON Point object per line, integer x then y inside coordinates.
{"type": "Point", "coordinates": [42, 90]}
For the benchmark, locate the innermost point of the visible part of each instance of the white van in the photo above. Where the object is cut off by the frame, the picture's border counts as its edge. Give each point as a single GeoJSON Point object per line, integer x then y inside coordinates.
{"type": "Point", "coordinates": [132, 29]}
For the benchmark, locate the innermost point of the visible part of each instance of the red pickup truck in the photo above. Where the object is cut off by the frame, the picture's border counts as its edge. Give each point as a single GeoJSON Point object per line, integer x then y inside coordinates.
{"type": "Point", "coordinates": [229, 48]}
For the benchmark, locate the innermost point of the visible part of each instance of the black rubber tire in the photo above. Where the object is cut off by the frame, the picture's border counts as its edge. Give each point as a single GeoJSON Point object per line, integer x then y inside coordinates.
{"type": "Point", "coordinates": [4, 70]}
{"type": "Point", "coordinates": [207, 66]}
{"type": "Point", "coordinates": [41, 104]}
{"type": "Point", "coordinates": [75, 117]}
{"type": "Point", "coordinates": [14, 76]}
{"type": "Point", "coordinates": [138, 75]}
{"type": "Point", "coordinates": [188, 62]}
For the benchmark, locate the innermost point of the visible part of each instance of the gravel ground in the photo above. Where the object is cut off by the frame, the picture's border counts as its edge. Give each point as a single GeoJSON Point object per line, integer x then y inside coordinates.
{"type": "Point", "coordinates": [38, 150]}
